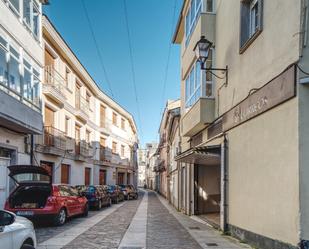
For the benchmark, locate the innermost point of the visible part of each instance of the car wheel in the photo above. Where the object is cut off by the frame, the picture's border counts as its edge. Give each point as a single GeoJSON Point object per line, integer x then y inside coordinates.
{"type": "Point", "coordinates": [61, 217]}
{"type": "Point", "coordinates": [26, 246]}
{"type": "Point", "coordinates": [99, 205]}
{"type": "Point", "coordinates": [86, 210]}
{"type": "Point", "coordinates": [117, 200]}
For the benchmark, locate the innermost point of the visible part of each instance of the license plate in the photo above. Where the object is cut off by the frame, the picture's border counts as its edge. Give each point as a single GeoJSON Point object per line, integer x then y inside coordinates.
{"type": "Point", "coordinates": [24, 213]}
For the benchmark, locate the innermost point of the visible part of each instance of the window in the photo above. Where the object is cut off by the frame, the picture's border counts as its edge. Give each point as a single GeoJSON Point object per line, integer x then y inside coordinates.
{"type": "Point", "coordinates": [251, 21]}
{"type": "Point", "coordinates": [35, 19]}
{"type": "Point", "coordinates": [19, 75]}
{"type": "Point", "coordinates": [102, 115]}
{"type": "Point", "coordinates": [67, 123]}
{"type": "Point", "coordinates": [114, 119]}
{"type": "Point", "coordinates": [198, 83]}
{"type": "Point", "coordinates": [193, 13]}
{"type": "Point", "coordinates": [122, 150]}
{"type": "Point", "coordinates": [27, 12]}
{"type": "Point", "coordinates": [14, 74]}
{"type": "Point", "coordinates": [88, 98]}
{"type": "Point", "coordinates": [114, 148]}
{"type": "Point", "coordinates": [3, 67]}
{"type": "Point", "coordinates": [123, 124]}
{"type": "Point", "coordinates": [14, 5]}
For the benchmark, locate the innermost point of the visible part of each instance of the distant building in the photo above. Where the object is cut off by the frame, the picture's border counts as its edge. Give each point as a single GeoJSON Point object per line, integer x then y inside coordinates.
{"type": "Point", "coordinates": [151, 157]}
{"type": "Point", "coordinates": [141, 154]}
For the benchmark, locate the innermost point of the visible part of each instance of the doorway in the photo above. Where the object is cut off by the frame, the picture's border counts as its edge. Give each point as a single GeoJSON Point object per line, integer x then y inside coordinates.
{"type": "Point", "coordinates": [102, 177]}
{"type": "Point", "coordinates": [207, 192]}
{"type": "Point", "coordinates": [120, 178]}
{"type": "Point", "coordinates": [49, 166]}
{"type": "Point", "coordinates": [4, 186]}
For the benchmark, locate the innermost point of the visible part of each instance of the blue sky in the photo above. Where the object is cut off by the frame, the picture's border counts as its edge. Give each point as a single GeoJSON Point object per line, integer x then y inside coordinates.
{"type": "Point", "coordinates": [150, 24]}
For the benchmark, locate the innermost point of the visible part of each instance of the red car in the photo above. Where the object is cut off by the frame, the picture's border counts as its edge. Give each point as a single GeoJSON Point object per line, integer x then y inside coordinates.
{"type": "Point", "coordinates": [35, 197]}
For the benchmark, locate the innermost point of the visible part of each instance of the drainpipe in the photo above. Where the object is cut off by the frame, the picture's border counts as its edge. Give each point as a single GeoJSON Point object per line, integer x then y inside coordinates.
{"type": "Point", "coordinates": [31, 148]}
{"type": "Point", "coordinates": [224, 178]}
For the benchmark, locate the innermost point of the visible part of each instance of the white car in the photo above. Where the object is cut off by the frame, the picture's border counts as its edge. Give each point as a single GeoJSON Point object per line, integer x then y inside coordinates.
{"type": "Point", "coordinates": [16, 232]}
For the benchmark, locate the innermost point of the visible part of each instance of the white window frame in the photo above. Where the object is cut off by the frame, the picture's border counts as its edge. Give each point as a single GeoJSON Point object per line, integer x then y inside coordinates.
{"type": "Point", "coordinates": [252, 18]}
{"type": "Point", "coordinates": [201, 86]}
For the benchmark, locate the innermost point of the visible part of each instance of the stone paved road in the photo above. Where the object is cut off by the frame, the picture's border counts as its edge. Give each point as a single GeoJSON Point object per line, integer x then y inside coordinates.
{"type": "Point", "coordinates": [155, 224]}
{"type": "Point", "coordinates": [163, 230]}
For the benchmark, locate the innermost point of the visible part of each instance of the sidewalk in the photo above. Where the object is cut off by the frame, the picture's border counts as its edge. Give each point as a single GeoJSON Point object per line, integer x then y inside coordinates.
{"type": "Point", "coordinates": [206, 236]}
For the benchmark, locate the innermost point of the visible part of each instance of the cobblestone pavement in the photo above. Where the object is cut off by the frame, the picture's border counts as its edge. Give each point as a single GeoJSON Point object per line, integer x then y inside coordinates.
{"type": "Point", "coordinates": [108, 233]}
{"type": "Point", "coordinates": [155, 225]}
{"type": "Point", "coordinates": [163, 230]}
{"type": "Point", "coordinates": [45, 230]}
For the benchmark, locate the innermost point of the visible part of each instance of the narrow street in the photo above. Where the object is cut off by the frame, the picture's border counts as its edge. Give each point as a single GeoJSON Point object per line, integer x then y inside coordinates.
{"type": "Point", "coordinates": [148, 222]}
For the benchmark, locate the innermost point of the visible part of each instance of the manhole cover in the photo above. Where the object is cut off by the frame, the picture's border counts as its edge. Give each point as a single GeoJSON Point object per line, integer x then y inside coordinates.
{"type": "Point", "coordinates": [211, 244]}
{"type": "Point", "coordinates": [194, 228]}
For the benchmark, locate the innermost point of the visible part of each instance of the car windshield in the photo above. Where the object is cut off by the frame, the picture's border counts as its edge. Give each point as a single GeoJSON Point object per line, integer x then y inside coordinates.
{"type": "Point", "coordinates": [31, 177]}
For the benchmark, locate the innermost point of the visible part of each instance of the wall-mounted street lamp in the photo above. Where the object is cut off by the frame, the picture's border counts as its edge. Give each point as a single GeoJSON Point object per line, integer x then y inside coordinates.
{"type": "Point", "coordinates": [201, 50]}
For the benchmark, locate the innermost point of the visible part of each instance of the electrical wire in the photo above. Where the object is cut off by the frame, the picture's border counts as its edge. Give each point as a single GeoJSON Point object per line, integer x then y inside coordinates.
{"type": "Point", "coordinates": [132, 66]}
{"type": "Point", "coordinates": [168, 59]}
{"type": "Point", "coordinates": [97, 48]}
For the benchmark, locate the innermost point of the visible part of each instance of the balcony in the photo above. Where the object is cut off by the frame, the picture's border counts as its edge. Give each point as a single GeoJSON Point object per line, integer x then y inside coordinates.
{"type": "Point", "coordinates": [52, 142]}
{"type": "Point", "coordinates": [54, 85]}
{"type": "Point", "coordinates": [200, 114]}
{"type": "Point", "coordinates": [83, 150]}
{"type": "Point", "coordinates": [82, 108]}
{"type": "Point", "coordinates": [21, 112]}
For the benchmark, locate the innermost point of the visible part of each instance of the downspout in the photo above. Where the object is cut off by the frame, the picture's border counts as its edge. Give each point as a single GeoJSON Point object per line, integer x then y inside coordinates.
{"type": "Point", "coordinates": [31, 149]}
{"type": "Point", "coordinates": [224, 177]}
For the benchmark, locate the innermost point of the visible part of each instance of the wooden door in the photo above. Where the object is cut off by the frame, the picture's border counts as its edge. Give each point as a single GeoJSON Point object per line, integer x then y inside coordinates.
{"type": "Point", "coordinates": [49, 59]}
{"type": "Point", "coordinates": [77, 139]}
{"type": "Point", "coordinates": [77, 95]}
{"type": "Point", "coordinates": [120, 178]}
{"type": "Point", "coordinates": [87, 176]}
{"type": "Point", "coordinates": [49, 117]}
{"type": "Point", "coordinates": [102, 148]}
{"type": "Point", "coordinates": [65, 173]}
{"type": "Point", "coordinates": [102, 177]}
{"type": "Point", "coordinates": [102, 115]}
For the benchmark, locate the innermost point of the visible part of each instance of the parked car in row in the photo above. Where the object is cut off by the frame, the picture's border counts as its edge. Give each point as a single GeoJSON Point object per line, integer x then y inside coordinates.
{"type": "Point", "coordinates": [97, 195]}
{"type": "Point", "coordinates": [115, 193]}
{"type": "Point", "coordinates": [16, 232]}
{"type": "Point", "coordinates": [129, 191]}
{"type": "Point", "coordinates": [36, 197]}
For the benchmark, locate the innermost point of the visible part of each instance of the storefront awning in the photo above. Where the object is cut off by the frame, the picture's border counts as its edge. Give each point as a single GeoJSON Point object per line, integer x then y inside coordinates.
{"type": "Point", "coordinates": [201, 155]}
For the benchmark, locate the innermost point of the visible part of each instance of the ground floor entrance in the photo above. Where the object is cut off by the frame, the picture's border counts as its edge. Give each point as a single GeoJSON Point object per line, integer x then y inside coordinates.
{"type": "Point", "coordinates": [207, 192]}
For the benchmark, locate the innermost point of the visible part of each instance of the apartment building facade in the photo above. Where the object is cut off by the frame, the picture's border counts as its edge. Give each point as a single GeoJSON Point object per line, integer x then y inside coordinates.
{"type": "Point", "coordinates": [88, 137]}
{"type": "Point", "coordinates": [21, 64]}
{"type": "Point", "coordinates": [142, 153]}
{"type": "Point", "coordinates": [151, 159]}
{"type": "Point", "coordinates": [165, 165]}
{"type": "Point", "coordinates": [244, 128]}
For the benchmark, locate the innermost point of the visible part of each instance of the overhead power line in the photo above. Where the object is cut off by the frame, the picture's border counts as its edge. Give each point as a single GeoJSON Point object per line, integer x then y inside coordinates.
{"type": "Point", "coordinates": [132, 66]}
{"type": "Point", "coordinates": [98, 49]}
{"type": "Point", "coordinates": [168, 58]}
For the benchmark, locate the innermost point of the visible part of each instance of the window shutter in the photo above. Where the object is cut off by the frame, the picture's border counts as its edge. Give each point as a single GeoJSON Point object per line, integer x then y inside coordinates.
{"type": "Point", "coordinates": [244, 22]}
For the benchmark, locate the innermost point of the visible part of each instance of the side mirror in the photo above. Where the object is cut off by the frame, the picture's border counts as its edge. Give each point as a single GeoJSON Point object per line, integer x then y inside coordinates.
{"type": "Point", "coordinates": [6, 219]}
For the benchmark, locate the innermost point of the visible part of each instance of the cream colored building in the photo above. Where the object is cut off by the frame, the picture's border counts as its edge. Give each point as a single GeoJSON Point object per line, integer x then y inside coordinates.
{"type": "Point", "coordinates": [244, 159]}
{"type": "Point", "coordinates": [151, 159]}
{"type": "Point", "coordinates": [142, 153]}
{"type": "Point", "coordinates": [166, 168]}
{"type": "Point", "coordinates": [88, 137]}
{"type": "Point", "coordinates": [21, 63]}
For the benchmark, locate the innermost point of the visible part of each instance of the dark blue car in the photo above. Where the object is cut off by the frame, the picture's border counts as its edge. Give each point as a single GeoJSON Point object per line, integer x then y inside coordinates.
{"type": "Point", "coordinates": [97, 195]}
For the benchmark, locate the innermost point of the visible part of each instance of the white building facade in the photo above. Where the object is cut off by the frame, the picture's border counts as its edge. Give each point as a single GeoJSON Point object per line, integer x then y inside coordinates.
{"type": "Point", "coordinates": [88, 137]}
{"type": "Point", "coordinates": [21, 63]}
